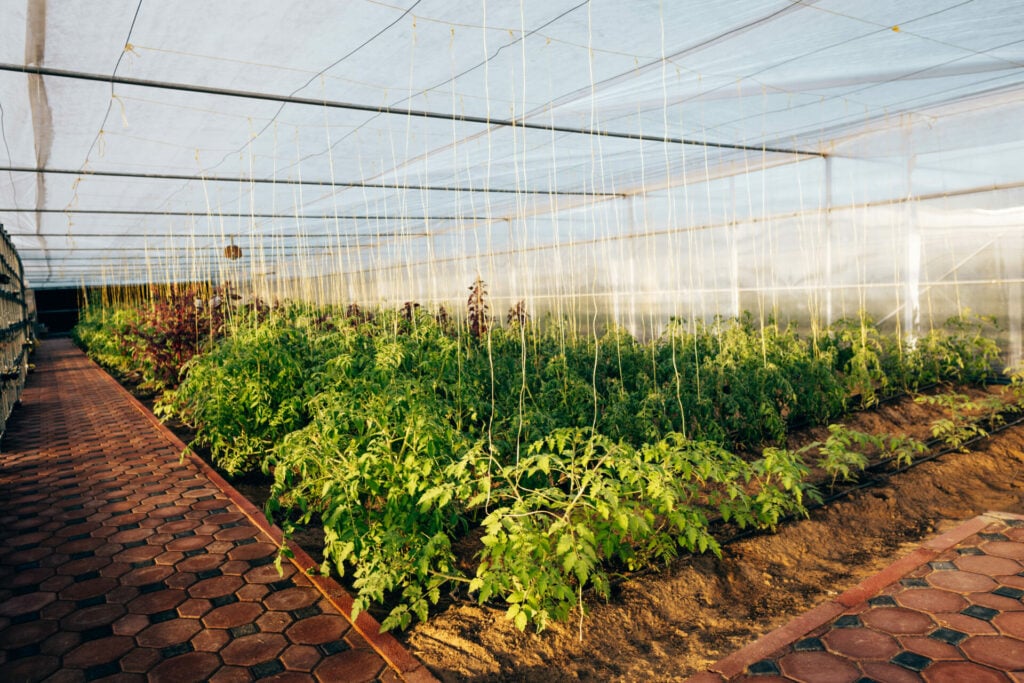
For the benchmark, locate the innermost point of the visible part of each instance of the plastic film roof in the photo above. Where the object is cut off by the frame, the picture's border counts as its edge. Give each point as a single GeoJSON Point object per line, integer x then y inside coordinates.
{"type": "Point", "coordinates": [707, 154]}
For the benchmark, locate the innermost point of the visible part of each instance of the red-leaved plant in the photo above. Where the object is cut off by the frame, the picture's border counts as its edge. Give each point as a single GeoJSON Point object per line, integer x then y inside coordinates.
{"type": "Point", "coordinates": [178, 325]}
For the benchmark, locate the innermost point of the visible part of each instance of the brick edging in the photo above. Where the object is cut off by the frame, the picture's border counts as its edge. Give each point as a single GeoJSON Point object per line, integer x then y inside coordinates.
{"type": "Point", "coordinates": [386, 645]}
{"type": "Point", "coordinates": [737, 663]}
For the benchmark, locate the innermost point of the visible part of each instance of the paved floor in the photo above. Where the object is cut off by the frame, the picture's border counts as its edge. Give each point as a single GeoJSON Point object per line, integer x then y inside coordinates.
{"type": "Point", "coordinates": [120, 562]}
{"type": "Point", "coordinates": [950, 612]}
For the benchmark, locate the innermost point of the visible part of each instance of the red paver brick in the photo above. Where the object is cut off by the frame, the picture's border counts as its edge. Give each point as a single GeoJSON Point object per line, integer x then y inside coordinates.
{"type": "Point", "coordinates": [999, 652]}
{"type": "Point", "coordinates": [130, 624]}
{"type": "Point", "coordinates": [98, 651]}
{"type": "Point", "coordinates": [158, 601]}
{"type": "Point", "coordinates": [291, 598]}
{"type": "Point", "coordinates": [210, 640]}
{"type": "Point", "coordinates": [194, 607]}
{"type": "Point", "coordinates": [931, 648]}
{"type": "Point", "coordinates": [931, 600]}
{"type": "Point", "coordinates": [55, 584]}
{"type": "Point", "coordinates": [146, 575]}
{"type": "Point", "coordinates": [1008, 549]}
{"type": "Point", "coordinates": [199, 563]}
{"type": "Point", "coordinates": [323, 628]}
{"type": "Point", "coordinates": [253, 551]}
{"type": "Point", "coordinates": [964, 623]}
{"type": "Point", "coordinates": [962, 672]}
{"type": "Point", "coordinates": [861, 643]}
{"type": "Point", "coordinates": [92, 616]}
{"type": "Point", "coordinates": [999, 602]}
{"type": "Point", "coordinates": [275, 622]}
{"type": "Point", "coordinates": [1010, 623]}
{"type": "Point", "coordinates": [353, 666]}
{"type": "Point", "coordinates": [878, 640]}
{"type": "Point", "coordinates": [215, 587]}
{"type": "Point", "coordinates": [168, 633]}
{"type": "Point", "coordinates": [181, 580]}
{"type": "Point", "coordinates": [144, 546]}
{"type": "Point", "coordinates": [192, 667]}
{"type": "Point", "coordinates": [230, 616]}
{"type": "Point", "coordinates": [252, 591]}
{"type": "Point", "coordinates": [300, 657]}
{"type": "Point", "coordinates": [60, 643]}
{"type": "Point", "coordinates": [24, 604]}
{"type": "Point", "coordinates": [189, 543]}
{"type": "Point", "coordinates": [988, 566]}
{"type": "Point", "coordinates": [254, 649]}
{"type": "Point", "coordinates": [17, 635]}
{"type": "Point", "coordinates": [31, 668]}
{"type": "Point", "coordinates": [890, 673]}
{"type": "Point", "coordinates": [898, 620]}
{"type": "Point", "coordinates": [961, 582]}
{"type": "Point", "coordinates": [231, 674]}
{"type": "Point", "coordinates": [268, 573]}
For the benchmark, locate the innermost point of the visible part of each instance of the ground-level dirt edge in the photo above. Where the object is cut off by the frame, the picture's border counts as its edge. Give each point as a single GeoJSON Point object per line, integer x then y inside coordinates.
{"type": "Point", "coordinates": [678, 622]}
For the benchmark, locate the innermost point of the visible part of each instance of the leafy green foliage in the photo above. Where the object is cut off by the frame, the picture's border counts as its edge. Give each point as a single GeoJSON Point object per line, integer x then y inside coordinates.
{"type": "Point", "coordinates": [961, 425]}
{"type": "Point", "coordinates": [579, 504]}
{"type": "Point", "coordinates": [847, 450]}
{"type": "Point", "coordinates": [571, 458]}
{"type": "Point", "coordinates": [250, 390]}
{"type": "Point", "coordinates": [379, 466]}
{"type": "Point", "coordinates": [963, 351]}
{"type": "Point", "coordinates": [102, 332]}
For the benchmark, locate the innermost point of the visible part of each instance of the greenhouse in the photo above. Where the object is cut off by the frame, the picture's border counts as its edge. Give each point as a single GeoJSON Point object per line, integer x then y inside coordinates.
{"type": "Point", "coordinates": [464, 340]}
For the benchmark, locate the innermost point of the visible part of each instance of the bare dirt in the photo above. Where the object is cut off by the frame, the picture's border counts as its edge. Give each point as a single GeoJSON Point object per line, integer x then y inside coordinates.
{"type": "Point", "coordinates": [672, 624]}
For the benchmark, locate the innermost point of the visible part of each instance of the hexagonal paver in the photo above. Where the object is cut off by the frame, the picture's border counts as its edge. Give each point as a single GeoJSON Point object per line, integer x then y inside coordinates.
{"type": "Point", "coordinates": [361, 666]}
{"type": "Point", "coordinates": [931, 600]}
{"type": "Point", "coordinates": [861, 643]}
{"type": "Point", "coordinates": [999, 652]}
{"type": "Point", "coordinates": [291, 599]}
{"type": "Point", "coordinates": [988, 565]}
{"type": "Point", "coordinates": [300, 657]}
{"type": "Point", "coordinates": [157, 601]}
{"type": "Point", "coordinates": [957, 616]}
{"type": "Point", "coordinates": [99, 651]}
{"type": "Point", "coordinates": [323, 628]}
{"type": "Point", "coordinates": [898, 620]}
{"type": "Point", "coordinates": [211, 640]}
{"type": "Point", "coordinates": [92, 616]}
{"type": "Point", "coordinates": [963, 672]}
{"type": "Point", "coordinates": [890, 673]}
{"type": "Point", "coordinates": [253, 649]}
{"type": "Point", "coordinates": [133, 565]}
{"type": "Point", "coordinates": [274, 621]}
{"type": "Point", "coordinates": [233, 615]}
{"type": "Point", "coordinates": [215, 587]}
{"type": "Point", "coordinates": [961, 582]}
{"type": "Point", "coordinates": [191, 666]}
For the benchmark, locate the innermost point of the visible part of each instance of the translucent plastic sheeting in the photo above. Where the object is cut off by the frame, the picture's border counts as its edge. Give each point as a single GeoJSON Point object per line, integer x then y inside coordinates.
{"type": "Point", "coordinates": [629, 161]}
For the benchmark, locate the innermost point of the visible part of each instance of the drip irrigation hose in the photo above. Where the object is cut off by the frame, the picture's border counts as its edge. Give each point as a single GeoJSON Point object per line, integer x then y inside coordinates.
{"type": "Point", "coordinates": [878, 480]}
{"type": "Point", "coordinates": [716, 523]}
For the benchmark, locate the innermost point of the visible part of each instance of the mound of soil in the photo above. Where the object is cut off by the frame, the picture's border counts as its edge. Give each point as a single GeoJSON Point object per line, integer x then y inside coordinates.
{"type": "Point", "coordinates": [670, 625]}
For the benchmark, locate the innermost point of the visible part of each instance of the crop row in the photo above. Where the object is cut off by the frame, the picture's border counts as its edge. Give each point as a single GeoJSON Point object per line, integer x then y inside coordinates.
{"type": "Point", "coordinates": [562, 459]}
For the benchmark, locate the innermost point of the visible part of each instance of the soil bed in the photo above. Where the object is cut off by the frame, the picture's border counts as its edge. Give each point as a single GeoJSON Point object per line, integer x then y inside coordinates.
{"type": "Point", "coordinates": [671, 624]}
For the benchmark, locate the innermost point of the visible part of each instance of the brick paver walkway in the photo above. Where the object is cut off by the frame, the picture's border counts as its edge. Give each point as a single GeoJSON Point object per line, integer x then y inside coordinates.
{"type": "Point", "coordinates": [950, 612]}
{"type": "Point", "coordinates": [118, 560]}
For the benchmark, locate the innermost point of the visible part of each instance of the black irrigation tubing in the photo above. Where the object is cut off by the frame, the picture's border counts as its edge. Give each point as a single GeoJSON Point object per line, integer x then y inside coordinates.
{"type": "Point", "coordinates": [872, 482]}
{"type": "Point", "coordinates": [805, 422]}
{"type": "Point", "coordinates": [875, 481]}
